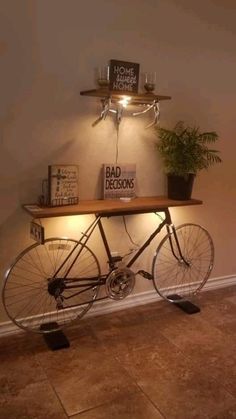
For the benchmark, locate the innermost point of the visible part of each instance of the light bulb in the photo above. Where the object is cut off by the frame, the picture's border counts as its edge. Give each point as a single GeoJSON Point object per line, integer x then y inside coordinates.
{"type": "Point", "coordinates": [125, 101]}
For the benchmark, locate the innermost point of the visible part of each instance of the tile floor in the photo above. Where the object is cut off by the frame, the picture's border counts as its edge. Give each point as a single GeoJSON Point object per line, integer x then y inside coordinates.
{"type": "Point", "coordinates": [148, 362]}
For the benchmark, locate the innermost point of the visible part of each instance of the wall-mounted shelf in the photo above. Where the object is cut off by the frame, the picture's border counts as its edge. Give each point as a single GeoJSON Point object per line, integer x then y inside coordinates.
{"type": "Point", "coordinates": [116, 96]}
{"type": "Point", "coordinates": [109, 207]}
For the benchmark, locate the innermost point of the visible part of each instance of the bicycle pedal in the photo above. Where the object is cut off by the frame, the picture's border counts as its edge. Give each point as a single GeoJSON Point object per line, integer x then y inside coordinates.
{"type": "Point", "coordinates": [145, 274]}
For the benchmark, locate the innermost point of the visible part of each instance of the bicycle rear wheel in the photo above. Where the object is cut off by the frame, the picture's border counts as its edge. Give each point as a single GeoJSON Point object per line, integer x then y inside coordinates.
{"type": "Point", "coordinates": [178, 278]}
{"type": "Point", "coordinates": [34, 291]}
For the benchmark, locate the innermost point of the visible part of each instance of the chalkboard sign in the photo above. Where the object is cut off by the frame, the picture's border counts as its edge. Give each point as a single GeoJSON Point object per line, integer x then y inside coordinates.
{"type": "Point", "coordinates": [63, 185]}
{"type": "Point", "coordinates": [124, 76]}
{"type": "Point", "coordinates": [119, 181]}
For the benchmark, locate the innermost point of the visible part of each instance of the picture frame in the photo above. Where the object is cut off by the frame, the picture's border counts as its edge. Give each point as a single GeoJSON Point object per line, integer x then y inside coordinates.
{"type": "Point", "coordinates": [119, 181]}
{"type": "Point", "coordinates": [63, 185]}
{"type": "Point", "coordinates": [124, 76]}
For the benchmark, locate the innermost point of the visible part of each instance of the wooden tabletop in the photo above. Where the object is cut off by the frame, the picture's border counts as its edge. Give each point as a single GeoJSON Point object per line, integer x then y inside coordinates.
{"type": "Point", "coordinates": [109, 207]}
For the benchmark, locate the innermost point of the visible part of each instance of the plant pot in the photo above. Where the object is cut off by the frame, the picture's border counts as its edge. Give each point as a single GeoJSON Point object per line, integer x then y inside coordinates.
{"type": "Point", "coordinates": [180, 187]}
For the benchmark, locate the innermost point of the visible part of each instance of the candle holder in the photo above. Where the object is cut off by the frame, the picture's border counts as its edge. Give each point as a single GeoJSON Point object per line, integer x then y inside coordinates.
{"type": "Point", "coordinates": [150, 81]}
{"type": "Point", "coordinates": [103, 76]}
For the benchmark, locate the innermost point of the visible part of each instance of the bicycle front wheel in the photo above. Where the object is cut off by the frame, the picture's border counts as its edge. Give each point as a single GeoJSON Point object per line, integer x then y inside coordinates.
{"type": "Point", "coordinates": [178, 277]}
{"type": "Point", "coordinates": [47, 287]}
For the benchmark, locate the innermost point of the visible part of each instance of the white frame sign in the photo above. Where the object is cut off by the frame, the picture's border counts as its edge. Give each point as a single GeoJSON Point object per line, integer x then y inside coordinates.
{"type": "Point", "coordinates": [119, 181]}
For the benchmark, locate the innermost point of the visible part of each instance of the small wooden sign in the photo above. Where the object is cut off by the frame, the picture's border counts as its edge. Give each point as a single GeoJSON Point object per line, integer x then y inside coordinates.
{"type": "Point", "coordinates": [37, 232]}
{"type": "Point", "coordinates": [63, 188]}
{"type": "Point", "coordinates": [119, 181]}
{"type": "Point", "coordinates": [124, 76]}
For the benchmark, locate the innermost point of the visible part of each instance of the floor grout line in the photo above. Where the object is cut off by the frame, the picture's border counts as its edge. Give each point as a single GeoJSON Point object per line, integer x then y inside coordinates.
{"type": "Point", "coordinates": [200, 330]}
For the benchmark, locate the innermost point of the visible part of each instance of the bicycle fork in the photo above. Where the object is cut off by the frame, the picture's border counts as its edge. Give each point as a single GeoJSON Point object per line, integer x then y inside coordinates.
{"type": "Point", "coordinates": [172, 233]}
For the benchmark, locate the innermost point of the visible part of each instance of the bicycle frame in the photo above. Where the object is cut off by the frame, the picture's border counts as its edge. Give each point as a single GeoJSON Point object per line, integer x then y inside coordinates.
{"type": "Point", "coordinates": [75, 283]}
{"type": "Point", "coordinates": [61, 278]}
{"type": "Point", "coordinates": [97, 222]}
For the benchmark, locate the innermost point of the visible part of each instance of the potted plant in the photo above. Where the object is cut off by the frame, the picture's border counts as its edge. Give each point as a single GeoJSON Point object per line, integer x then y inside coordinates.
{"type": "Point", "coordinates": [185, 152]}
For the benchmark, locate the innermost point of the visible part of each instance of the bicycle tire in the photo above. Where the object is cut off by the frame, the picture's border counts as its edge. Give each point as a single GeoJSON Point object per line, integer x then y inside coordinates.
{"type": "Point", "coordinates": [26, 296]}
{"type": "Point", "coordinates": [173, 279]}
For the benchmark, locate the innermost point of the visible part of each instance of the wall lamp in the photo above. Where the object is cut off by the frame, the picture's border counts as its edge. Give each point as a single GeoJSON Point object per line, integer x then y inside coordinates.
{"type": "Point", "coordinates": [116, 101]}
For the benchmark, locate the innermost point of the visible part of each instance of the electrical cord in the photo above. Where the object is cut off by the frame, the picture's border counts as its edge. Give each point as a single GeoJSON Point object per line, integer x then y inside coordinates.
{"type": "Point", "coordinates": [117, 143]}
{"type": "Point", "coordinates": [128, 234]}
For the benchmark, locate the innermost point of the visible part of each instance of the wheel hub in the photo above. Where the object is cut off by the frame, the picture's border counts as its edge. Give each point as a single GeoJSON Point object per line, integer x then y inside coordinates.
{"type": "Point", "coordinates": [56, 286]}
{"type": "Point", "coordinates": [184, 263]}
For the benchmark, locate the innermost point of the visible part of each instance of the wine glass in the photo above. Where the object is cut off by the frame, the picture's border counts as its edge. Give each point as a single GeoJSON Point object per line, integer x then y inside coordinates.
{"type": "Point", "coordinates": [103, 76]}
{"type": "Point", "coordinates": [150, 81]}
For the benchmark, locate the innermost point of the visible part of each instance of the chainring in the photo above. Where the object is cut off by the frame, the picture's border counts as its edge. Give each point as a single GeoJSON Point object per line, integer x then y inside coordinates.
{"type": "Point", "coordinates": [120, 283]}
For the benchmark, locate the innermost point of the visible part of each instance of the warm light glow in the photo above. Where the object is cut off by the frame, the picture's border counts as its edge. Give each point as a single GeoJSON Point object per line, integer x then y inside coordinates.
{"type": "Point", "coordinates": [68, 226]}
{"type": "Point", "coordinates": [125, 101]}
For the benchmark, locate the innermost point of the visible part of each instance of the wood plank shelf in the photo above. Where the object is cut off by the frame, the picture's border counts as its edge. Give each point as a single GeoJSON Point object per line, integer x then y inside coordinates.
{"type": "Point", "coordinates": [136, 98]}
{"type": "Point", "coordinates": [108, 208]}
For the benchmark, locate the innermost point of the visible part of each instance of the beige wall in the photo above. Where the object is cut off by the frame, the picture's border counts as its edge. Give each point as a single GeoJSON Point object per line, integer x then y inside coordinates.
{"type": "Point", "coordinates": [49, 50]}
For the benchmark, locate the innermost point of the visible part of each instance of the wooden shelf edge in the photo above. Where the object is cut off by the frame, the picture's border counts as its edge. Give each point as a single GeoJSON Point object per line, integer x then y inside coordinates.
{"type": "Point", "coordinates": [117, 95]}
{"type": "Point", "coordinates": [109, 207]}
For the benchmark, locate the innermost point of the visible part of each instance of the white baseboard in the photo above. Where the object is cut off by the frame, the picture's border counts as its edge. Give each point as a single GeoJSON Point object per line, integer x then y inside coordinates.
{"type": "Point", "coordinates": [109, 306]}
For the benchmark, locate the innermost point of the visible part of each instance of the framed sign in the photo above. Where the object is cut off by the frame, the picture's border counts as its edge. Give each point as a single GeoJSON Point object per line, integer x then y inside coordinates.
{"type": "Point", "coordinates": [63, 185]}
{"type": "Point", "coordinates": [124, 76]}
{"type": "Point", "coordinates": [119, 181]}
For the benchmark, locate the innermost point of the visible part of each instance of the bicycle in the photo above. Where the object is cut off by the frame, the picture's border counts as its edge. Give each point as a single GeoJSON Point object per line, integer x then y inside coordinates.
{"type": "Point", "coordinates": [58, 281]}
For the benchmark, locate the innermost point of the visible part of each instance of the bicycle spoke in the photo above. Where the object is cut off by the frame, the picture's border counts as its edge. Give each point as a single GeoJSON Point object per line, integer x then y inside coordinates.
{"type": "Point", "coordinates": [183, 277]}
{"type": "Point", "coordinates": [26, 288]}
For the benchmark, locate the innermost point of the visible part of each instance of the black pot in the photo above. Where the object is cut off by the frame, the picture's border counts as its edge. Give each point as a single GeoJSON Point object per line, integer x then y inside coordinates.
{"type": "Point", "coordinates": [180, 187]}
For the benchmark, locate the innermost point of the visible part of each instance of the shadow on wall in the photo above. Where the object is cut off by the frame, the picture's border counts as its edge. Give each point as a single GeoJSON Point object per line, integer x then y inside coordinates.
{"type": "Point", "coordinates": [24, 184]}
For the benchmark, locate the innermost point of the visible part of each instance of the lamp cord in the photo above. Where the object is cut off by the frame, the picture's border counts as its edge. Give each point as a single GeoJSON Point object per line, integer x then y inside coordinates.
{"type": "Point", "coordinates": [117, 142]}
{"type": "Point", "coordinates": [128, 234]}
